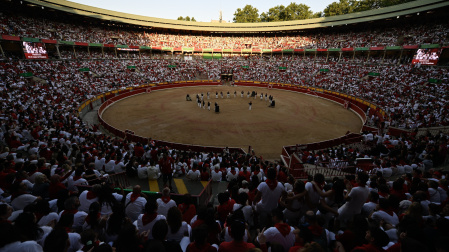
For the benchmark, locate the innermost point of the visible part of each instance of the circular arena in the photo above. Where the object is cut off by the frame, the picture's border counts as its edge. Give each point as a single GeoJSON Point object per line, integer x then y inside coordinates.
{"type": "Point", "coordinates": [295, 119]}
{"type": "Point", "coordinates": [101, 150]}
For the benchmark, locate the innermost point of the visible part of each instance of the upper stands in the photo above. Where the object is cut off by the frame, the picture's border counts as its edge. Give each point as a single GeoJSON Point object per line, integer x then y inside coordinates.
{"type": "Point", "coordinates": [411, 29]}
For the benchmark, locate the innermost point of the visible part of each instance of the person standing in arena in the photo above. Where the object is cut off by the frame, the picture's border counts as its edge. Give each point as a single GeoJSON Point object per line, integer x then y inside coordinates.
{"type": "Point", "coordinates": [166, 164]}
{"type": "Point", "coordinates": [250, 104]}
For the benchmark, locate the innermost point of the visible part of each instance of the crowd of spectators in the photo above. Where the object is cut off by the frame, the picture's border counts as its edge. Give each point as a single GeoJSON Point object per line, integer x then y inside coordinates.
{"type": "Point", "coordinates": [48, 153]}
{"type": "Point", "coordinates": [401, 34]}
{"type": "Point", "coordinates": [44, 210]}
{"type": "Point", "coordinates": [407, 96]}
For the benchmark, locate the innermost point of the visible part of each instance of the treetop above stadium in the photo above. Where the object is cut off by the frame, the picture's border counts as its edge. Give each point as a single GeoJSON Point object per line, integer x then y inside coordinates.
{"type": "Point", "coordinates": [359, 17]}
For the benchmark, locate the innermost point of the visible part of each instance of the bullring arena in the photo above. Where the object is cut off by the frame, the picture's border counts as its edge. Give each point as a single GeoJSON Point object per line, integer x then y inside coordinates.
{"type": "Point", "coordinates": [100, 149]}
{"type": "Point", "coordinates": [296, 119]}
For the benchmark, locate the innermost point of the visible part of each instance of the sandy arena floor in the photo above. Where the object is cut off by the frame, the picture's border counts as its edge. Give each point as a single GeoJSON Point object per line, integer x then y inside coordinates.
{"type": "Point", "coordinates": [297, 118]}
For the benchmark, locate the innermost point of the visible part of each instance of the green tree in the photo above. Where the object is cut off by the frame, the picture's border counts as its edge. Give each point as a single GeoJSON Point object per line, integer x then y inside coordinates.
{"type": "Point", "coordinates": [340, 8]}
{"type": "Point", "coordinates": [365, 5]}
{"type": "Point", "coordinates": [296, 11]}
{"type": "Point", "coordinates": [273, 14]}
{"type": "Point", "coordinates": [187, 18]}
{"type": "Point", "coordinates": [248, 14]}
{"type": "Point", "coordinates": [318, 14]}
{"type": "Point", "coordinates": [293, 11]}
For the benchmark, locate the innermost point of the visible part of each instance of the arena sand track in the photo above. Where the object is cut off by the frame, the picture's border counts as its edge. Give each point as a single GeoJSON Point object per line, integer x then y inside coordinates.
{"type": "Point", "coordinates": [297, 118]}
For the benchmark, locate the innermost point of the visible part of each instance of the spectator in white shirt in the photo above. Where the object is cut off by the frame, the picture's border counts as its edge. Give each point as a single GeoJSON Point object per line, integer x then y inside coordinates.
{"type": "Point", "coordinates": [165, 203]}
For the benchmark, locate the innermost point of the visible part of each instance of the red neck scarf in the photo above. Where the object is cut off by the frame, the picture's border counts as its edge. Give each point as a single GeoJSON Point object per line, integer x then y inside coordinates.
{"type": "Point", "coordinates": [75, 178]}
{"type": "Point", "coordinates": [283, 228]}
{"type": "Point", "coordinates": [272, 183]}
{"type": "Point", "coordinates": [134, 196]}
{"type": "Point", "coordinates": [147, 218]}
{"type": "Point", "coordinates": [91, 195]}
{"type": "Point", "coordinates": [165, 199]}
{"type": "Point", "coordinates": [233, 172]}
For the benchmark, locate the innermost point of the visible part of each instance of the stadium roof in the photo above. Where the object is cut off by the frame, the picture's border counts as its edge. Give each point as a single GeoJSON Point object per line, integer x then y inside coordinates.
{"type": "Point", "coordinates": [359, 17]}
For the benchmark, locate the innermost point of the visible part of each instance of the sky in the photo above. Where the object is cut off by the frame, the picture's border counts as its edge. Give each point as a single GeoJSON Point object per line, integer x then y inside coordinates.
{"type": "Point", "coordinates": [202, 10]}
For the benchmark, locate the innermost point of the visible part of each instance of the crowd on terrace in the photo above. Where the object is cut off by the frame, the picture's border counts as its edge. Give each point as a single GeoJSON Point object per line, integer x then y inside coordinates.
{"type": "Point", "coordinates": [46, 150]}
{"type": "Point", "coordinates": [404, 34]}
{"type": "Point", "coordinates": [407, 96]}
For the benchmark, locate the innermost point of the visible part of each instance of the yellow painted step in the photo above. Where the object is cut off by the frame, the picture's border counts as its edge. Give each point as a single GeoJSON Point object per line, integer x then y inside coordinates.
{"type": "Point", "coordinates": [154, 186]}
{"type": "Point", "coordinates": [182, 189]}
{"type": "Point", "coordinates": [204, 183]}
